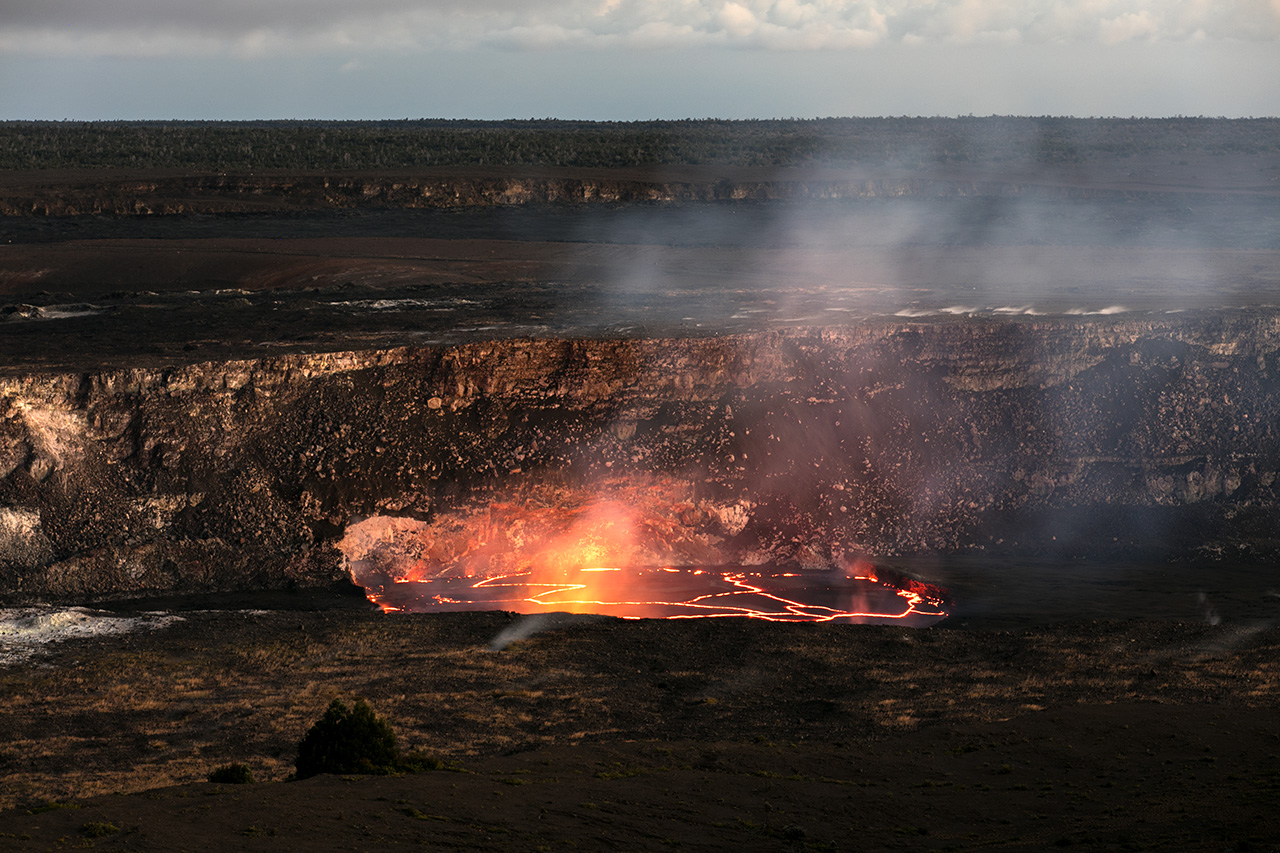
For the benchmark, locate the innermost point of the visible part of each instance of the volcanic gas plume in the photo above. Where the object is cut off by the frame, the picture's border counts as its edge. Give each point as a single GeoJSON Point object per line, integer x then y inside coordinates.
{"type": "Point", "coordinates": [640, 549]}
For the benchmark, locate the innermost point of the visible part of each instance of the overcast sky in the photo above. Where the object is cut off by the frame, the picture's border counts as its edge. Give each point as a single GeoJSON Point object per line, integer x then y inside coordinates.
{"type": "Point", "coordinates": [635, 59]}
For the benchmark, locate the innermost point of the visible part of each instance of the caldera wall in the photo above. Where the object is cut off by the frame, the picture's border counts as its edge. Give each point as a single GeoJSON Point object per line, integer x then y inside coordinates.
{"type": "Point", "coordinates": [1152, 435]}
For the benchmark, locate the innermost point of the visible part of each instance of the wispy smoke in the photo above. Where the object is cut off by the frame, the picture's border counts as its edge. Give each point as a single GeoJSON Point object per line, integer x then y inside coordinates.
{"type": "Point", "coordinates": [522, 628]}
{"type": "Point", "coordinates": [1210, 612]}
{"type": "Point", "coordinates": [526, 626]}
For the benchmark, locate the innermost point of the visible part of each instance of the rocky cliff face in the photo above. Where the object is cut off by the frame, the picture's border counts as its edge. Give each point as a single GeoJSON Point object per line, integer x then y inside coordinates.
{"type": "Point", "coordinates": [108, 194]}
{"type": "Point", "coordinates": [1114, 436]}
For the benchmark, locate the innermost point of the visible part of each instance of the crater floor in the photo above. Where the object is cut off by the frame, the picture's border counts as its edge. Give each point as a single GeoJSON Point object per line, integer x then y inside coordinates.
{"type": "Point", "coordinates": [714, 734]}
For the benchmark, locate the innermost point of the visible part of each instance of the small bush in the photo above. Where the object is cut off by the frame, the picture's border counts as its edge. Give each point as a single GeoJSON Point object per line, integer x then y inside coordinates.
{"type": "Point", "coordinates": [421, 762]}
{"type": "Point", "coordinates": [52, 806]}
{"type": "Point", "coordinates": [348, 741]}
{"type": "Point", "coordinates": [232, 774]}
{"type": "Point", "coordinates": [98, 829]}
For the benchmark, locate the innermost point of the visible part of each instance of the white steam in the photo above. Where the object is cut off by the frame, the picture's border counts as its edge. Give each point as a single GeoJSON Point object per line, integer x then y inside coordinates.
{"type": "Point", "coordinates": [1209, 611]}
{"type": "Point", "coordinates": [520, 629]}
{"type": "Point", "coordinates": [24, 632]}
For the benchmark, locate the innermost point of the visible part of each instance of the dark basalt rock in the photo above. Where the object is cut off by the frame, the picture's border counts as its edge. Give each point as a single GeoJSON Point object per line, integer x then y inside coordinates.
{"type": "Point", "coordinates": [35, 194]}
{"type": "Point", "coordinates": [1150, 436]}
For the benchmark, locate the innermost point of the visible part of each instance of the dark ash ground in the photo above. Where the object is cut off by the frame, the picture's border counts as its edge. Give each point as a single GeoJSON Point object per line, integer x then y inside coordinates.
{"type": "Point", "coordinates": [711, 734]}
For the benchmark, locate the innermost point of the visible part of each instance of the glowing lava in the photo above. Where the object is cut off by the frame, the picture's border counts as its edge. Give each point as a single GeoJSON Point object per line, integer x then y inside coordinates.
{"type": "Point", "coordinates": [677, 593]}
{"type": "Point", "coordinates": [644, 549]}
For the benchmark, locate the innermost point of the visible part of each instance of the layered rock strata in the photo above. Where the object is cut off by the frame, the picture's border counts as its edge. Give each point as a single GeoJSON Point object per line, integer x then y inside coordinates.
{"type": "Point", "coordinates": [1152, 436]}
{"type": "Point", "coordinates": [154, 194]}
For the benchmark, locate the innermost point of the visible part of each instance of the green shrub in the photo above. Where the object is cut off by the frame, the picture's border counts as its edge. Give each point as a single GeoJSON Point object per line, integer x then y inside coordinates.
{"type": "Point", "coordinates": [98, 829]}
{"type": "Point", "coordinates": [51, 806]}
{"type": "Point", "coordinates": [232, 774]}
{"type": "Point", "coordinates": [417, 762]}
{"type": "Point", "coordinates": [348, 741]}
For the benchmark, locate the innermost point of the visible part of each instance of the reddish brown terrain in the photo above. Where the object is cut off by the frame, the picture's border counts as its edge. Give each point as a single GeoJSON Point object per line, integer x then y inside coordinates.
{"type": "Point", "coordinates": [646, 735]}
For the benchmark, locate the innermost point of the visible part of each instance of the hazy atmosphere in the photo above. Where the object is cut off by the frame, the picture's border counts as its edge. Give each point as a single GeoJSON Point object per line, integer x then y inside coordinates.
{"type": "Point", "coordinates": [635, 59]}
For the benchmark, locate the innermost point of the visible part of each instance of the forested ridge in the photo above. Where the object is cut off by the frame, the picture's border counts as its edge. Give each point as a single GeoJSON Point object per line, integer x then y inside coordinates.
{"type": "Point", "coordinates": [361, 145]}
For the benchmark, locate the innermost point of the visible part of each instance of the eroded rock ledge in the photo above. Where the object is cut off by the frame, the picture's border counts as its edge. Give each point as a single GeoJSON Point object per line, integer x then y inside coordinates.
{"type": "Point", "coordinates": [1114, 435]}
{"type": "Point", "coordinates": [104, 193]}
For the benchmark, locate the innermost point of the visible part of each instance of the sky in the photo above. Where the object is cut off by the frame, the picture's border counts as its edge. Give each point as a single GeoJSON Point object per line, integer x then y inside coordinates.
{"type": "Point", "coordinates": [635, 59]}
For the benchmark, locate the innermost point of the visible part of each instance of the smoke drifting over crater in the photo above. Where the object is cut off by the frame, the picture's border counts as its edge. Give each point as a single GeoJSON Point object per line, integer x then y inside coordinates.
{"type": "Point", "coordinates": [760, 371]}
{"type": "Point", "coordinates": [815, 466]}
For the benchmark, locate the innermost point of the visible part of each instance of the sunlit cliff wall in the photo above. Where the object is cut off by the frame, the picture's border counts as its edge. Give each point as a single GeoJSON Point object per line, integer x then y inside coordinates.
{"type": "Point", "coordinates": [1106, 436]}
{"type": "Point", "coordinates": [246, 193]}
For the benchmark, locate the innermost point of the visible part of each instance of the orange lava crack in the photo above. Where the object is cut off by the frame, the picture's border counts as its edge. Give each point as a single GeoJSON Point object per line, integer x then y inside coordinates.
{"type": "Point", "coordinates": [800, 597]}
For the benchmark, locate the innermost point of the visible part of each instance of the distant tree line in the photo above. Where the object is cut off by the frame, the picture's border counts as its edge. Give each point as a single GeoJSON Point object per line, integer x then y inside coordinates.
{"type": "Point", "coordinates": [410, 144]}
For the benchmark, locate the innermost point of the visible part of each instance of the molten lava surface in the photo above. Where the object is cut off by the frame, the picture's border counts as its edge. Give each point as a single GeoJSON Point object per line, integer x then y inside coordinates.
{"type": "Point", "coordinates": [677, 593]}
{"type": "Point", "coordinates": [644, 548]}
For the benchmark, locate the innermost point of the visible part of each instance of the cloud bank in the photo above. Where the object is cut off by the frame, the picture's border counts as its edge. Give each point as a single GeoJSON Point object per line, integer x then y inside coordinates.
{"type": "Point", "coordinates": [140, 28]}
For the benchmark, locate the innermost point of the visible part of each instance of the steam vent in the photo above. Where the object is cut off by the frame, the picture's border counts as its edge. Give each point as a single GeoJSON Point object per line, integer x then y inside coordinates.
{"type": "Point", "coordinates": [781, 374]}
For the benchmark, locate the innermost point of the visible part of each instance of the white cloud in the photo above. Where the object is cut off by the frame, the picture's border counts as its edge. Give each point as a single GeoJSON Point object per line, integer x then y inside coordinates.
{"type": "Point", "coordinates": [1128, 27]}
{"type": "Point", "coordinates": [263, 27]}
{"type": "Point", "coordinates": [794, 14]}
{"type": "Point", "coordinates": [737, 20]}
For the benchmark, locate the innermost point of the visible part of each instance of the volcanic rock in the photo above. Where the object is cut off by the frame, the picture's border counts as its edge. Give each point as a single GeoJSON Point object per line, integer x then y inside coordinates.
{"type": "Point", "coordinates": [1147, 436]}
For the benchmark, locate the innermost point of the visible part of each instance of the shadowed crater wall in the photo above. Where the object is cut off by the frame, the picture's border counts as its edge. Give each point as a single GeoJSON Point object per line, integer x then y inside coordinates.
{"type": "Point", "coordinates": [1149, 436]}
